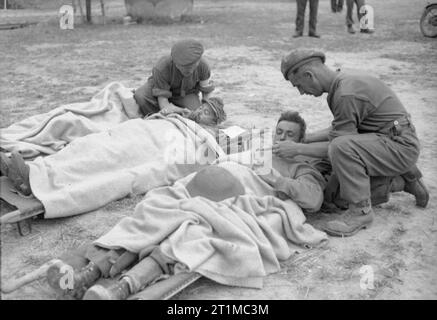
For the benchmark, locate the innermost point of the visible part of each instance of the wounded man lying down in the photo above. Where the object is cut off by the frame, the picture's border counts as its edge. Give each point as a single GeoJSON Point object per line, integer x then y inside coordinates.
{"type": "Point", "coordinates": [223, 222]}
{"type": "Point", "coordinates": [226, 222]}
{"type": "Point", "coordinates": [130, 158]}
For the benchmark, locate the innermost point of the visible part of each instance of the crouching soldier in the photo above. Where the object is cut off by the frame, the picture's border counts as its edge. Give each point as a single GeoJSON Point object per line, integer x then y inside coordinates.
{"type": "Point", "coordinates": [371, 137]}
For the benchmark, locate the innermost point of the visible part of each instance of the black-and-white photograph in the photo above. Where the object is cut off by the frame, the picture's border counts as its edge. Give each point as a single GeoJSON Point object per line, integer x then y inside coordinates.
{"type": "Point", "coordinates": [238, 150]}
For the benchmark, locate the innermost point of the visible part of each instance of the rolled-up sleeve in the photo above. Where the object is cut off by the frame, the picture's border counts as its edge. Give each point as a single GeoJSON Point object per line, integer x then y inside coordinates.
{"type": "Point", "coordinates": [306, 191]}
{"type": "Point", "coordinates": [161, 85]}
{"type": "Point", "coordinates": [348, 113]}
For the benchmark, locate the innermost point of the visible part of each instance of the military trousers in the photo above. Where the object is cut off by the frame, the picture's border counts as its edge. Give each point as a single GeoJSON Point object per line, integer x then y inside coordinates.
{"type": "Point", "coordinates": [358, 158]}
{"type": "Point", "coordinates": [350, 9]}
{"type": "Point", "coordinates": [106, 259]}
{"type": "Point", "coordinates": [300, 16]}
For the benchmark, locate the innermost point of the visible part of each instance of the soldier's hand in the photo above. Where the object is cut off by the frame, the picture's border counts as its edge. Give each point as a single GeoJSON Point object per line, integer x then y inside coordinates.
{"type": "Point", "coordinates": [286, 149]}
{"type": "Point", "coordinates": [172, 109]}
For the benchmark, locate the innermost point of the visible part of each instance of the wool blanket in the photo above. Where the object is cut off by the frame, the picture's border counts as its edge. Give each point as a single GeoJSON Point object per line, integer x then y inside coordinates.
{"type": "Point", "coordinates": [50, 132]}
{"type": "Point", "coordinates": [235, 242]}
{"type": "Point", "coordinates": [130, 158]}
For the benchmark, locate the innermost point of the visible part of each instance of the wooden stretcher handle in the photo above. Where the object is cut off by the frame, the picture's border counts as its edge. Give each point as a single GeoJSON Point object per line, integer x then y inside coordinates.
{"type": "Point", "coordinates": [14, 284]}
{"type": "Point", "coordinates": [17, 215]}
{"type": "Point", "coordinates": [165, 289]}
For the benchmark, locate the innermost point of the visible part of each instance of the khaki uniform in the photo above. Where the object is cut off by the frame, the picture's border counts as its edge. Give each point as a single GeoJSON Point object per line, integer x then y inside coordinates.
{"type": "Point", "coordinates": [299, 182]}
{"type": "Point", "coordinates": [350, 8]}
{"type": "Point", "coordinates": [167, 81]}
{"type": "Point", "coordinates": [372, 135]}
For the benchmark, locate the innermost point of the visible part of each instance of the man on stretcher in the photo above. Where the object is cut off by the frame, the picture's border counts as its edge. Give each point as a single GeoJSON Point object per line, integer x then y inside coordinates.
{"type": "Point", "coordinates": [208, 115]}
{"type": "Point", "coordinates": [221, 185]}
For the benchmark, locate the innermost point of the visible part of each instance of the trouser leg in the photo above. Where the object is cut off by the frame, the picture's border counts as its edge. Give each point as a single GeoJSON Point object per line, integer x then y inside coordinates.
{"type": "Point", "coordinates": [380, 188]}
{"type": "Point", "coordinates": [359, 4]}
{"type": "Point", "coordinates": [76, 257]}
{"type": "Point", "coordinates": [300, 16]}
{"type": "Point", "coordinates": [109, 261]}
{"type": "Point", "coordinates": [349, 10]}
{"type": "Point", "coordinates": [143, 98]}
{"type": "Point", "coordinates": [148, 270]}
{"type": "Point", "coordinates": [103, 258]}
{"type": "Point", "coordinates": [314, 5]}
{"type": "Point", "coordinates": [334, 5]}
{"type": "Point", "coordinates": [355, 158]}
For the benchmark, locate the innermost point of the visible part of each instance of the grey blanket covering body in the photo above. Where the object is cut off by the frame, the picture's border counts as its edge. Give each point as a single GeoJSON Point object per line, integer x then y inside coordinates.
{"type": "Point", "coordinates": [50, 132]}
{"type": "Point", "coordinates": [235, 242]}
{"type": "Point", "coordinates": [130, 158]}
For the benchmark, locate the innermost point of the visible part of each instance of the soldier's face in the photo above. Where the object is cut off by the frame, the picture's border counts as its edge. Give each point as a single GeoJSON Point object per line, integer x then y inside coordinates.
{"type": "Point", "coordinates": [188, 70]}
{"type": "Point", "coordinates": [287, 131]}
{"type": "Point", "coordinates": [306, 83]}
{"type": "Point", "coordinates": [204, 115]}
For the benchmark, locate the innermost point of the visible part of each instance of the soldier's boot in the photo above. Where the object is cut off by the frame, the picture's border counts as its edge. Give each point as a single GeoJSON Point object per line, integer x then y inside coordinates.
{"type": "Point", "coordinates": [75, 284]}
{"type": "Point", "coordinates": [118, 291]}
{"type": "Point", "coordinates": [314, 34]}
{"type": "Point", "coordinates": [5, 163]}
{"type": "Point", "coordinates": [415, 186]}
{"type": "Point", "coordinates": [141, 275]}
{"type": "Point", "coordinates": [350, 29]}
{"type": "Point", "coordinates": [356, 217]}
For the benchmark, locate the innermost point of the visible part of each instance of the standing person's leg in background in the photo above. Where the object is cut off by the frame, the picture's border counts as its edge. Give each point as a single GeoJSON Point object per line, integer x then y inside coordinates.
{"type": "Point", "coordinates": [314, 5]}
{"type": "Point", "coordinates": [359, 4]}
{"type": "Point", "coordinates": [349, 10]}
{"type": "Point", "coordinates": [300, 17]}
{"type": "Point", "coordinates": [349, 19]}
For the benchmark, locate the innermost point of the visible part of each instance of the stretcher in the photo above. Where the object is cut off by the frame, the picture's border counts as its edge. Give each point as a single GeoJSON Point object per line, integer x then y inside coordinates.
{"type": "Point", "coordinates": [167, 288]}
{"type": "Point", "coordinates": [24, 208]}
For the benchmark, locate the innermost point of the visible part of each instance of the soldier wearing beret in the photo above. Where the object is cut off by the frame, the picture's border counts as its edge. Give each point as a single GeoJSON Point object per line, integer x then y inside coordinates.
{"type": "Point", "coordinates": [176, 81]}
{"type": "Point", "coordinates": [209, 115]}
{"type": "Point", "coordinates": [371, 144]}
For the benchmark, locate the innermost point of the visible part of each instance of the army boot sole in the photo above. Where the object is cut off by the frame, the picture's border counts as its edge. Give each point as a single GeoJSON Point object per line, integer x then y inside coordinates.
{"type": "Point", "coordinates": [422, 202]}
{"type": "Point", "coordinates": [336, 233]}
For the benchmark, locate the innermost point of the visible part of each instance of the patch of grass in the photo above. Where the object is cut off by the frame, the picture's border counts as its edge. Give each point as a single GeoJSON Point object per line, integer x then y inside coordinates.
{"type": "Point", "coordinates": [127, 205]}
{"type": "Point", "coordinates": [37, 258]}
{"type": "Point", "coordinates": [356, 259]}
{"type": "Point", "coordinates": [392, 245]}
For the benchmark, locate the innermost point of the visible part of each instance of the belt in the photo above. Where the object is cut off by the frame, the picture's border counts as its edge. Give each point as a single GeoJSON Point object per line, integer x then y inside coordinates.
{"type": "Point", "coordinates": [394, 128]}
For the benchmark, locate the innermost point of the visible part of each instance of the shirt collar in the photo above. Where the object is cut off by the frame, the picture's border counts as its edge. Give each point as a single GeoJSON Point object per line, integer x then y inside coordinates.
{"type": "Point", "coordinates": [333, 86]}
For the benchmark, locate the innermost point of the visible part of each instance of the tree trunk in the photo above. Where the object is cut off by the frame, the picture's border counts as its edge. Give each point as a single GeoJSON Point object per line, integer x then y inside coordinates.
{"type": "Point", "coordinates": [88, 10]}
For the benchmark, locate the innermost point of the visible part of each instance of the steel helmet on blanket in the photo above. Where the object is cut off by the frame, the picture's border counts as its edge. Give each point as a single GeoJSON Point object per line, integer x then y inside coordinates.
{"type": "Point", "coordinates": [215, 183]}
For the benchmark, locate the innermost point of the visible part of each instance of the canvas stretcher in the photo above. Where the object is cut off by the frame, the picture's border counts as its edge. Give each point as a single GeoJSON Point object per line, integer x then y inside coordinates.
{"type": "Point", "coordinates": [27, 207]}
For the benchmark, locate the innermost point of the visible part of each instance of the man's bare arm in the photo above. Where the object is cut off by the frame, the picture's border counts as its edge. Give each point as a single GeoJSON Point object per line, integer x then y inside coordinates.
{"type": "Point", "coordinates": [290, 149]}
{"type": "Point", "coordinates": [317, 136]}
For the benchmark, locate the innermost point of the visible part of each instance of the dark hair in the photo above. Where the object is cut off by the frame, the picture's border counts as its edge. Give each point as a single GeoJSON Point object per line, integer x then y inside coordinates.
{"type": "Point", "coordinates": [294, 116]}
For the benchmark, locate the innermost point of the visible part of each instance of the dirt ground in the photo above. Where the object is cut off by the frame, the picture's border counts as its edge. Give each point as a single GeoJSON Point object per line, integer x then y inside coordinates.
{"type": "Point", "coordinates": [43, 67]}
